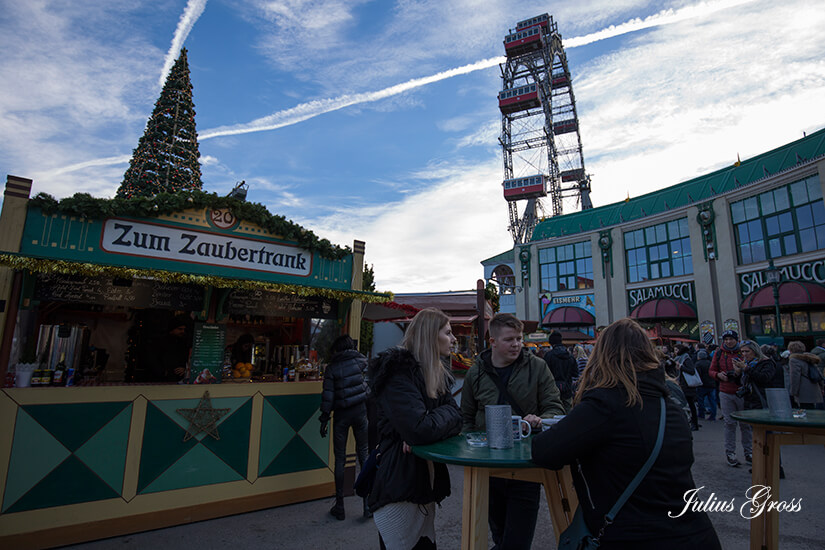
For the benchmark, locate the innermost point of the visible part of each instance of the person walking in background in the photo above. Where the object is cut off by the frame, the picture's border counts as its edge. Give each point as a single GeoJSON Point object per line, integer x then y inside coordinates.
{"type": "Point", "coordinates": [682, 358]}
{"type": "Point", "coordinates": [563, 367]}
{"type": "Point", "coordinates": [806, 392]}
{"type": "Point", "coordinates": [344, 398]}
{"type": "Point", "coordinates": [706, 393]}
{"type": "Point", "coordinates": [608, 436]}
{"type": "Point", "coordinates": [722, 369]}
{"type": "Point", "coordinates": [819, 351]}
{"type": "Point", "coordinates": [506, 374]}
{"type": "Point", "coordinates": [581, 359]}
{"type": "Point", "coordinates": [411, 385]}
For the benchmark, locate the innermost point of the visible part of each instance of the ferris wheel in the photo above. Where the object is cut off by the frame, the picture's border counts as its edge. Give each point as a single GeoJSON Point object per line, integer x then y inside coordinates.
{"type": "Point", "coordinates": [540, 138]}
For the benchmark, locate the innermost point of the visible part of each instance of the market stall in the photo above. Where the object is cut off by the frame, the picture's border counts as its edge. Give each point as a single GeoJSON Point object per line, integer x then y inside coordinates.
{"type": "Point", "coordinates": [176, 347]}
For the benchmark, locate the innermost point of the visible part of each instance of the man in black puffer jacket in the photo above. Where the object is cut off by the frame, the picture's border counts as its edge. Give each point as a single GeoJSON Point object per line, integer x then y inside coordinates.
{"type": "Point", "coordinates": [345, 393]}
{"type": "Point", "coordinates": [563, 367]}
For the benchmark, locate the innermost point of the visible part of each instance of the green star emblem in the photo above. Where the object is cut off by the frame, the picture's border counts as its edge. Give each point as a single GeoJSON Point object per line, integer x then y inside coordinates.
{"type": "Point", "coordinates": [203, 418]}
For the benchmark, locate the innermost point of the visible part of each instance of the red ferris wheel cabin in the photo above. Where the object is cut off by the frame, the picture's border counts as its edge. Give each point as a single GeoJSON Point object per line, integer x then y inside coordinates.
{"type": "Point", "coordinates": [527, 187]}
{"type": "Point", "coordinates": [518, 99]}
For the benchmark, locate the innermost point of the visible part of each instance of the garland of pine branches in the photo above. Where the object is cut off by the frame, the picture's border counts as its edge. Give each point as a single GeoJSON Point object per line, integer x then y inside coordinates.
{"type": "Point", "coordinates": [86, 206]}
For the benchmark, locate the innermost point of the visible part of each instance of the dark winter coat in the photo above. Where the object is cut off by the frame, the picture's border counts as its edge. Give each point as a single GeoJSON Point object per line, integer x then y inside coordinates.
{"type": "Point", "coordinates": [531, 386]}
{"type": "Point", "coordinates": [605, 442]}
{"type": "Point", "coordinates": [703, 368]}
{"type": "Point", "coordinates": [564, 369]}
{"type": "Point", "coordinates": [723, 362]}
{"type": "Point", "coordinates": [763, 374]}
{"type": "Point", "coordinates": [686, 366]}
{"type": "Point", "coordinates": [406, 414]}
{"type": "Point", "coordinates": [344, 385]}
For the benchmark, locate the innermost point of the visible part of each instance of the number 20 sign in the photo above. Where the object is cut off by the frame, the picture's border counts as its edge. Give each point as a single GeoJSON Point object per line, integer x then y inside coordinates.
{"type": "Point", "coordinates": [223, 218]}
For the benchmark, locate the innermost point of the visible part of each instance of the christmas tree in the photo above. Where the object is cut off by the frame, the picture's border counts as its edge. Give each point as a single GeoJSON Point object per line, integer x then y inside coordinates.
{"type": "Point", "coordinates": [166, 158]}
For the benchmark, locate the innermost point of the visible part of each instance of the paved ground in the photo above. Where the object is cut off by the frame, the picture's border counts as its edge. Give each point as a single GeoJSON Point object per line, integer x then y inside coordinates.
{"type": "Point", "coordinates": [308, 526]}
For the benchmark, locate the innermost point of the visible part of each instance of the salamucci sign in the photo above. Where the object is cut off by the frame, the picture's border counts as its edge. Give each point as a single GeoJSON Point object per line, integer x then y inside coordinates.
{"type": "Point", "coordinates": [807, 271]}
{"type": "Point", "coordinates": [164, 242]}
{"type": "Point", "coordinates": [677, 291]}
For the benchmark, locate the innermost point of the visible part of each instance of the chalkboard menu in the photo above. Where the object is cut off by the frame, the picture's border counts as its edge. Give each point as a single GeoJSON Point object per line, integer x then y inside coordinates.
{"type": "Point", "coordinates": [208, 349]}
{"type": "Point", "coordinates": [274, 304]}
{"type": "Point", "coordinates": [110, 291]}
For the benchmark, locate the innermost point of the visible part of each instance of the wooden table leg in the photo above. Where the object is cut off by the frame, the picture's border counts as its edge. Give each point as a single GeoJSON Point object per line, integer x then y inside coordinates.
{"type": "Point", "coordinates": [557, 494]}
{"type": "Point", "coordinates": [759, 476]}
{"type": "Point", "coordinates": [772, 476]}
{"type": "Point", "coordinates": [474, 511]}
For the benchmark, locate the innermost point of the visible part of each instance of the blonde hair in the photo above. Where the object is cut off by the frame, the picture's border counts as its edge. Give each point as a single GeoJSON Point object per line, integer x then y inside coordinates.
{"type": "Point", "coordinates": [755, 349]}
{"type": "Point", "coordinates": [421, 339]}
{"type": "Point", "coordinates": [622, 350]}
{"type": "Point", "coordinates": [580, 352]}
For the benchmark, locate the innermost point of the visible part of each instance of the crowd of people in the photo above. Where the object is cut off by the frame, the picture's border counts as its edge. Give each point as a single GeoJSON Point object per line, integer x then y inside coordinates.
{"type": "Point", "coordinates": [613, 401]}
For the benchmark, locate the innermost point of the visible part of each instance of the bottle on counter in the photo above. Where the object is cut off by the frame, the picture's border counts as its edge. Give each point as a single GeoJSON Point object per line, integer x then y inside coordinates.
{"type": "Point", "coordinates": [46, 377]}
{"type": "Point", "coordinates": [59, 376]}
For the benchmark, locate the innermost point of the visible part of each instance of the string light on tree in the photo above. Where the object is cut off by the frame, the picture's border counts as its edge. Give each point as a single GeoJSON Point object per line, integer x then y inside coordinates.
{"type": "Point", "coordinates": [166, 158]}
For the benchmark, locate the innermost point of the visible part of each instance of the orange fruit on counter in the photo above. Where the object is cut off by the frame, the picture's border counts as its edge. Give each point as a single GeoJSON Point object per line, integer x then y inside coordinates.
{"type": "Point", "coordinates": [236, 374]}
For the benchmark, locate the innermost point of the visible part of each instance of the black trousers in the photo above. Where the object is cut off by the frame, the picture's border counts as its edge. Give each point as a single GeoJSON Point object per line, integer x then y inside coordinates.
{"type": "Point", "coordinates": [342, 421]}
{"type": "Point", "coordinates": [512, 510]}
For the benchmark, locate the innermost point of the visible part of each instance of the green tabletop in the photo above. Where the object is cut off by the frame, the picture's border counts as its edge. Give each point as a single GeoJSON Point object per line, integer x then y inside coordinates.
{"type": "Point", "coordinates": [456, 450]}
{"type": "Point", "coordinates": [813, 419]}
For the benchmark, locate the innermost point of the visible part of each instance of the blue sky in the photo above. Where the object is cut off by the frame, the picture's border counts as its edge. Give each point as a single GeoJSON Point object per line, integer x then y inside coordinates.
{"type": "Point", "coordinates": [301, 99]}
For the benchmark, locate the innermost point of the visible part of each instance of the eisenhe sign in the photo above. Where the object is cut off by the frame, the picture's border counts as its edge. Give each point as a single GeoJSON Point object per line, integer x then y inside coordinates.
{"type": "Point", "coordinates": [152, 240]}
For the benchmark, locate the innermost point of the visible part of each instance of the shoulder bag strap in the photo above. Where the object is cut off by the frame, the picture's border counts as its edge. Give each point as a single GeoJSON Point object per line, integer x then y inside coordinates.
{"type": "Point", "coordinates": [501, 388]}
{"type": "Point", "coordinates": [608, 519]}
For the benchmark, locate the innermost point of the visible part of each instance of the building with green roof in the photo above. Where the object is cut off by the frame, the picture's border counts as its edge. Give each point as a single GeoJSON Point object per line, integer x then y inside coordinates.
{"type": "Point", "coordinates": [688, 261]}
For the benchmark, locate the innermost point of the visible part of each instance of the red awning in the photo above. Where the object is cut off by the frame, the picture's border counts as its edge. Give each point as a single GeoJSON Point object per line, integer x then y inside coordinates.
{"type": "Point", "coordinates": [569, 317]}
{"type": "Point", "coordinates": [663, 308]}
{"type": "Point", "coordinates": [791, 293]}
{"type": "Point", "coordinates": [388, 311]}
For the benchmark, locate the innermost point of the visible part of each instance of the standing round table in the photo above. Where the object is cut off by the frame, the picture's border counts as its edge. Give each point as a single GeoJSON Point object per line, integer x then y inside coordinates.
{"type": "Point", "coordinates": [769, 433]}
{"type": "Point", "coordinates": [481, 463]}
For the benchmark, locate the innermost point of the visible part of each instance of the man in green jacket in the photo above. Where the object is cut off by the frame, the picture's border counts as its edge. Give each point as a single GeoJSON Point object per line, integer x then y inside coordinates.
{"type": "Point", "coordinates": [532, 393]}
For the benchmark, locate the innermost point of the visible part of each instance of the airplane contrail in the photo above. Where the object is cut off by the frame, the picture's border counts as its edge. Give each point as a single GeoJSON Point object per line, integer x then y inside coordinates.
{"type": "Point", "coordinates": [191, 13]}
{"type": "Point", "coordinates": [311, 109]}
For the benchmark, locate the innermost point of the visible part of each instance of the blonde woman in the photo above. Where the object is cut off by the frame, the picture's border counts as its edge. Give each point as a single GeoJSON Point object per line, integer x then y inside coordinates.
{"type": "Point", "coordinates": [608, 436]}
{"type": "Point", "coordinates": [411, 386]}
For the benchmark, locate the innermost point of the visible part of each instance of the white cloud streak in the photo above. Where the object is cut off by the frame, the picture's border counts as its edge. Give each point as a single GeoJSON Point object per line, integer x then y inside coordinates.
{"type": "Point", "coordinates": [193, 10]}
{"type": "Point", "coordinates": [312, 109]}
{"type": "Point", "coordinates": [664, 17]}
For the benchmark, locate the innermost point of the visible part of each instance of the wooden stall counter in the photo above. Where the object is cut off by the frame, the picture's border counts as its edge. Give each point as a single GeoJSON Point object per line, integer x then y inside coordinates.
{"type": "Point", "coordinates": [84, 463]}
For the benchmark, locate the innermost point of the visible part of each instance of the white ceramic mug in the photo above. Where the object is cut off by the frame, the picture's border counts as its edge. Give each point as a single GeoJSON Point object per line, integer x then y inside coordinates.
{"type": "Point", "coordinates": [518, 423]}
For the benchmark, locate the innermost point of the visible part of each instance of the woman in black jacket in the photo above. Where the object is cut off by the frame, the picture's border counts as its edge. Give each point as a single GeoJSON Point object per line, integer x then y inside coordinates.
{"type": "Point", "coordinates": [411, 386]}
{"type": "Point", "coordinates": [608, 436]}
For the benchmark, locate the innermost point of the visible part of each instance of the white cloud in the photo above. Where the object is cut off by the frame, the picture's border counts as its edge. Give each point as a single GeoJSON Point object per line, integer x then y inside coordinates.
{"type": "Point", "coordinates": [190, 15]}
{"type": "Point", "coordinates": [430, 240]}
{"type": "Point", "coordinates": [671, 107]}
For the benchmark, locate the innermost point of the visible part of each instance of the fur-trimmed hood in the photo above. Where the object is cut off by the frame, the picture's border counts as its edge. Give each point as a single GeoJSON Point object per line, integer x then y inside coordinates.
{"type": "Point", "coordinates": [807, 357]}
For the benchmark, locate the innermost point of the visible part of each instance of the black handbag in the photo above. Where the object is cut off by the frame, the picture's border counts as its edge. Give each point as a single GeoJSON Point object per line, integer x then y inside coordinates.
{"type": "Point", "coordinates": [366, 477]}
{"type": "Point", "coordinates": [577, 536]}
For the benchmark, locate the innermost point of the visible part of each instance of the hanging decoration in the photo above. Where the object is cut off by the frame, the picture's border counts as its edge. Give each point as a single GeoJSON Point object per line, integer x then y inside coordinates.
{"type": "Point", "coordinates": [94, 270]}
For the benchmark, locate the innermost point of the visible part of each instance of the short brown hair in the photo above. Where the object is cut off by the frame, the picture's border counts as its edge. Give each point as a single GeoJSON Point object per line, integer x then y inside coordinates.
{"type": "Point", "coordinates": [796, 347]}
{"type": "Point", "coordinates": [502, 320]}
